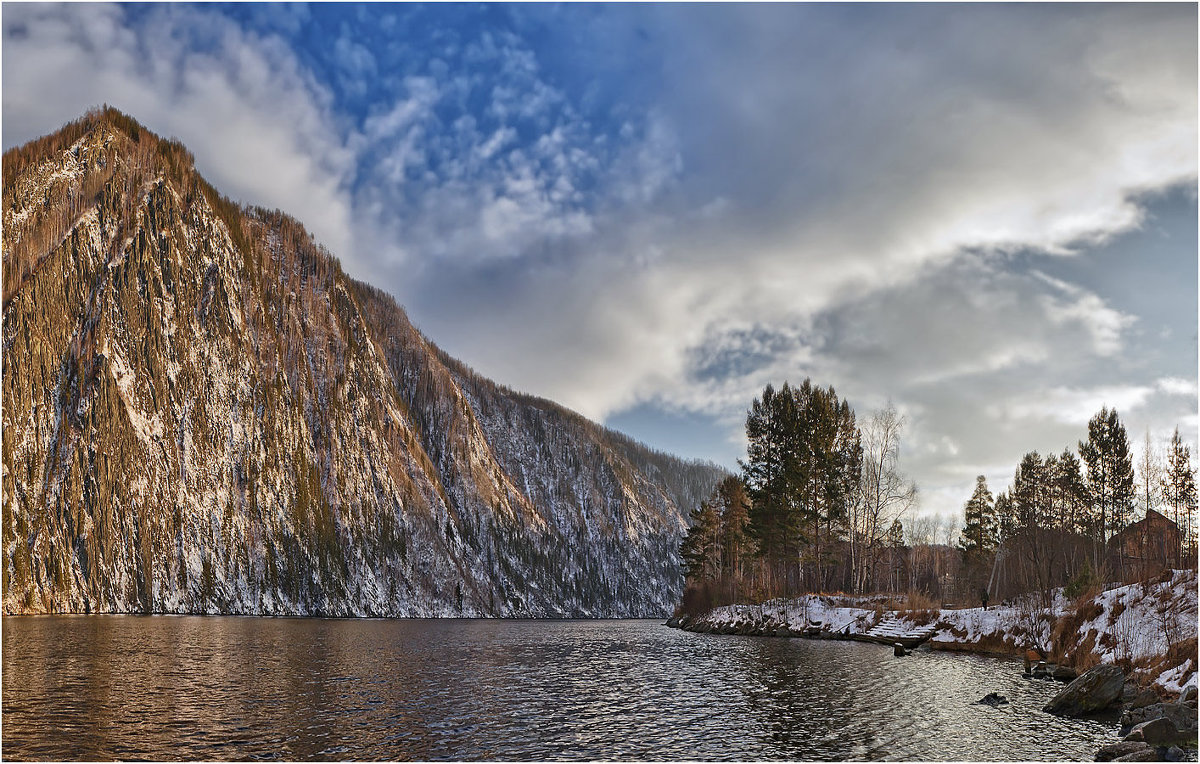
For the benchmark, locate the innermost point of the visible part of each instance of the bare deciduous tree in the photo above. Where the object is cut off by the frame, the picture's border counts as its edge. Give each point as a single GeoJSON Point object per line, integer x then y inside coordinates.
{"type": "Point", "coordinates": [884, 493]}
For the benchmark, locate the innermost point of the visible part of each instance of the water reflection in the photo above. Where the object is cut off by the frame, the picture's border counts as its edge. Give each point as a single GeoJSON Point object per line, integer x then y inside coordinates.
{"type": "Point", "coordinates": [104, 687]}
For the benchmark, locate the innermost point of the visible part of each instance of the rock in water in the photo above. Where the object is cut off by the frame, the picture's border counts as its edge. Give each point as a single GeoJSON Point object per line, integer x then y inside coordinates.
{"type": "Point", "coordinates": [1182, 716]}
{"type": "Point", "coordinates": [1094, 691]}
{"type": "Point", "coordinates": [1160, 731]}
{"type": "Point", "coordinates": [1031, 657]}
{"type": "Point", "coordinates": [1065, 674]}
{"type": "Point", "coordinates": [1114, 751]}
{"type": "Point", "coordinates": [899, 650]}
{"type": "Point", "coordinates": [993, 699]}
{"type": "Point", "coordinates": [1143, 754]}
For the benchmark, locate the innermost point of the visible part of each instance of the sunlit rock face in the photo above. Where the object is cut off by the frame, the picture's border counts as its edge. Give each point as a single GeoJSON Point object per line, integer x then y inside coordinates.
{"type": "Point", "coordinates": [202, 413]}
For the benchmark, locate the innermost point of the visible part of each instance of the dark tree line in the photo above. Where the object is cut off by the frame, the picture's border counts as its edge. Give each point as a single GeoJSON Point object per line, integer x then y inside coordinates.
{"type": "Point", "coordinates": [1053, 525]}
{"type": "Point", "coordinates": [818, 506]}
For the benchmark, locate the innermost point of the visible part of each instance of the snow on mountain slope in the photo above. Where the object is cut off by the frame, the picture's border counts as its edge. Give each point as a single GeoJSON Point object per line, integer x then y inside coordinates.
{"type": "Point", "coordinates": [203, 413]}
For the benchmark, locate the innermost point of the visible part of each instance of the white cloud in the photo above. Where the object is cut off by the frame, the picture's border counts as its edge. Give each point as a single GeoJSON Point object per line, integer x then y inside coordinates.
{"type": "Point", "coordinates": [882, 170]}
{"type": "Point", "coordinates": [1074, 405]}
{"type": "Point", "coordinates": [1177, 386]}
{"type": "Point", "coordinates": [1105, 324]}
{"type": "Point", "coordinates": [256, 121]}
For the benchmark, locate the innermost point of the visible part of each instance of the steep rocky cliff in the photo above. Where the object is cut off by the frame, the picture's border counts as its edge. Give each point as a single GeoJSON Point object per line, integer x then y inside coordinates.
{"type": "Point", "coordinates": [203, 413]}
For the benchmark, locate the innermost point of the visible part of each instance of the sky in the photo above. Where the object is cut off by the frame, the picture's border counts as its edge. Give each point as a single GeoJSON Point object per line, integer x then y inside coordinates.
{"type": "Point", "coordinates": [984, 214]}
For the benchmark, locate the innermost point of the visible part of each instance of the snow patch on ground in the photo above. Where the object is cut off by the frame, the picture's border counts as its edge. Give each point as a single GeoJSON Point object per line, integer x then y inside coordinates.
{"type": "Point", "coordinates": [1138, 625]}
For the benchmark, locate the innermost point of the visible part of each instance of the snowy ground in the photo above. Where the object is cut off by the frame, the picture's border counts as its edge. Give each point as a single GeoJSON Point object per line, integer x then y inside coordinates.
{"type": "Point", "coordinates": [1150, 627]}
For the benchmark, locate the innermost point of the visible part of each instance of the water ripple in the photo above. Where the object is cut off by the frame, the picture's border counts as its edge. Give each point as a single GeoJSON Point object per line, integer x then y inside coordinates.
{"type": "Point", "coordinates": [261, 688]}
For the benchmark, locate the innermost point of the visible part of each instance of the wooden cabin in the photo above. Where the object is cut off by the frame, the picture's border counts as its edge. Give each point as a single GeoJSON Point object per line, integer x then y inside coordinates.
{"type": "Point", "coordinates": [1146, 547]}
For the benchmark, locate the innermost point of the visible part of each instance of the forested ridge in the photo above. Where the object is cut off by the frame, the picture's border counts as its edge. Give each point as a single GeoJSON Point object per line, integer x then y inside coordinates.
{"type": "Point", "coordinates": [204, 413]}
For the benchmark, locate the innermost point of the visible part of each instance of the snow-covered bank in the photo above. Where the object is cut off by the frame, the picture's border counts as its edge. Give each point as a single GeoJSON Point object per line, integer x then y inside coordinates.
{"type": "Point", "coordinates": [1149, 628]}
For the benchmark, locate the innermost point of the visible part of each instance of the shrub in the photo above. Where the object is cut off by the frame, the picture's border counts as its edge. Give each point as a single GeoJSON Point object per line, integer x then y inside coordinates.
{"type": "Point", "coordinates": [697, 599]}
{"type": "Point", "coordinates": [1081, 584]}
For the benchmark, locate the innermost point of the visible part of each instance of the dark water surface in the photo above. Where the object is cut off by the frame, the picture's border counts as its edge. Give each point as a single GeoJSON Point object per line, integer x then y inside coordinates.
{"type": "Point", "coordinates": [104, 687]}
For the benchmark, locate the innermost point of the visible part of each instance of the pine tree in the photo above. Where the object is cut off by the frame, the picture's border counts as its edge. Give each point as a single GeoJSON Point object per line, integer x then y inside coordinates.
{"type": "Point", "coordinates": [1179, 489]}
{"type": "Point", "coordinates": [802, 469]}
{"type": "Point", "coordinates": [1109, 473]}
{"type": "Point", "coordinates": [1029, 494]}
{"type": "Point", "coordinates": [701, 547]}
{"type": "Point", "coordinates": [1032, 510]}
{"type": "Point", "coordinates": [1071, 494]}
{"type": "Point", "coordinates": [1006, 519]}
{"type": "Point", "coordinates": [979, 521]}
{"type": "Point", "coordinates": [730, 496]}
{"type": "Point", "coordinates": [767, 470]}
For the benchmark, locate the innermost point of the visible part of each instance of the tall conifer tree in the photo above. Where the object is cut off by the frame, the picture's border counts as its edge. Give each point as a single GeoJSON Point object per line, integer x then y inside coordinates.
{"type": "Point", "coordinates": [979, 520]}
{"type": "Point", "coordinates": [1109, 474]}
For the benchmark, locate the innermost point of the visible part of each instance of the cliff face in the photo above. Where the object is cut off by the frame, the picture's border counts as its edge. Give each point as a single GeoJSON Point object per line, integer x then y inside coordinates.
{"type": "Point", "coordinates": [203, 413]}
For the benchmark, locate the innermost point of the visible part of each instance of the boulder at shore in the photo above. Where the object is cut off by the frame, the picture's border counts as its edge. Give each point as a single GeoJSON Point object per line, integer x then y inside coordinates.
{"type": "Point", "coordinates": [1114, 751]}
{"type": "Point", "coordinates": [1095, 690]}
{"type": "Point", "coordinates": [1182, 715]}
{"type": "Point", "coordinates": [1158, 732]}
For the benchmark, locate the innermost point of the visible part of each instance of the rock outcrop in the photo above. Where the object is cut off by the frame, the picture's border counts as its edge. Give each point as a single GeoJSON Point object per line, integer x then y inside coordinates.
{"type": "Point", "coordinates": [202, 413]}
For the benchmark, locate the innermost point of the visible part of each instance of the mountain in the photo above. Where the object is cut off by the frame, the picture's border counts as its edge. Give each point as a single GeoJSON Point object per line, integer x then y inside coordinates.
{"type": "Point", "coordinates": [202, 413]}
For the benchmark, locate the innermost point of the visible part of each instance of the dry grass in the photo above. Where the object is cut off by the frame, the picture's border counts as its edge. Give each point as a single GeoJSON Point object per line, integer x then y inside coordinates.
{"type": "Point", "coordinates": [1085, 656]}
{"type": "Point", "coordinates": [921, 617]}
{"type": "Point", "coordinates": [903, 604]}
{"type": "Point", "coordinates": [1117, 608]}
{"type": "Point", "coordinates": [1066, 648]}
{"type": "Point", "coordinates": [917, 601]}
{"type": "Point", "coordinates": [1183, 650]}
{"type": "Point", "coordinates": [1089, 594]}
{"type": "Point", "coordinates": [1086, 610]}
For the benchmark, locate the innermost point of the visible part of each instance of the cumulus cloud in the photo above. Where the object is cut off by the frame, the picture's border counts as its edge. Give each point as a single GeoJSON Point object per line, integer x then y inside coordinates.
{"type": "Point", "coordinates": [874, 165]}
{"type": "Point", "coordinates": [875, 220]}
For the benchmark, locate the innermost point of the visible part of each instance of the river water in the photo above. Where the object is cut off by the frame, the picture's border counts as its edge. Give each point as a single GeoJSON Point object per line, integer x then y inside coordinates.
{"type": "Point", "coordinates": [183, 687]}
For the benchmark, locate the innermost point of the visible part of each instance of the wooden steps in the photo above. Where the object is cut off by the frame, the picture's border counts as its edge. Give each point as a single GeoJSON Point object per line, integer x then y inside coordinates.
{"type": "Point", "coordinates": [891, 630]}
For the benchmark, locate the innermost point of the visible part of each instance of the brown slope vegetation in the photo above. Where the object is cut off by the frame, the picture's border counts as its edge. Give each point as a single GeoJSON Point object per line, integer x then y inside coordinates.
{"type": "Point", "coordinates": [203, 413]}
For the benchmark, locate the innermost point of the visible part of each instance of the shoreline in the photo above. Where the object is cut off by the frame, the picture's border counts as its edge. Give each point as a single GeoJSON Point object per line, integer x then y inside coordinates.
{"type": "Point", "coordinates": [1140, 705]}
{"type": "Point", "coordinates": [1149, 628]}
{"type": "Point", "coordinates": [770, 628]}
